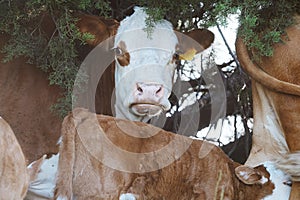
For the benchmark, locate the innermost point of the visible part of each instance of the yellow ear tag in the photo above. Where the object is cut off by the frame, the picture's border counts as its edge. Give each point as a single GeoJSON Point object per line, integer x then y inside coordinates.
{"type": "Point", "coordinates": [188, 55]}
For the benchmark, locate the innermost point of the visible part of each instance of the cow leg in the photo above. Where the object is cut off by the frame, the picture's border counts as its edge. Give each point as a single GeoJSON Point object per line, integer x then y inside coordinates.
{"type": "Point", "coordinates": [63, 188]}
{"type": "Point", "coordinates": [290, 164]}
{"type": "Point", "coordinates": [288, 108]}
{"type": "Point", "coordinates": [295, 193]}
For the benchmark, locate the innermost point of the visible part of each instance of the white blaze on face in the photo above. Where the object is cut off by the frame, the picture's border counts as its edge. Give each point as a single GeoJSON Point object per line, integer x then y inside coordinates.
{"type": "Point", "coordinates": [144, 84]}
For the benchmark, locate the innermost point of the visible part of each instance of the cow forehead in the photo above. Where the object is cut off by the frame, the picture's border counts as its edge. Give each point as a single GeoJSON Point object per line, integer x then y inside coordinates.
{"type": "Point", "coordinates": [149, 57]}
{"type": "Point", "coordinates": [132, 32]}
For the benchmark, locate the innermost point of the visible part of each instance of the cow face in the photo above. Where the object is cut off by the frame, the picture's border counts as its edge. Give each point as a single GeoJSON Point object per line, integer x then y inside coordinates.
{"type": "Point", "coordinates": [145, 67]}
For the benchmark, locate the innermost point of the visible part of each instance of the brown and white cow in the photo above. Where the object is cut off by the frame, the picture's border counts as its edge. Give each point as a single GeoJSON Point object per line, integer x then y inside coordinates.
{"type": "Point", "coordinates": [102, 157]}
{"type": "Point", "coordinates": [145, 64]}
{"type": "Point", "coordinates": [276, 102]}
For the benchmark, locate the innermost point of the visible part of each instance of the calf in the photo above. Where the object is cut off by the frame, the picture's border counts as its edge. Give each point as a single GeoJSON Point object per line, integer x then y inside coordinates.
{"type": "Point", "coordinates": [102, 157]}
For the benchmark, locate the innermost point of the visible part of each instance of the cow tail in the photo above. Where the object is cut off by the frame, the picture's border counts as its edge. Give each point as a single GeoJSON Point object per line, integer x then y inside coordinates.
{"type": "Point", "coordinates": [63, 188]}
{"type": "Point", "coordinates": [261, 76]}
{"type": "Point", "coordinates": [290, 164]}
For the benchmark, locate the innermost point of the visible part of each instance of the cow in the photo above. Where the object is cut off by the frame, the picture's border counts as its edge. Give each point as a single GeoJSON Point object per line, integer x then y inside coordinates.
{"type": "Point", "coordinates": [102, 157]}
{"type": "Point", "coordinates": [276, 105]}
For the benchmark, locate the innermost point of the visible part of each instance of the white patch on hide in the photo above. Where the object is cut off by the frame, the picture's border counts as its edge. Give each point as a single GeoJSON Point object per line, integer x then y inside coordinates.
{"type": "Point", "coordinates": [62, 198]}
{"type": "Point", "coordinates": [44, 184]}
{"type": "Point", "coordinates": [281, 191]}
{"type": "Point", "coordinates": [127, 196]}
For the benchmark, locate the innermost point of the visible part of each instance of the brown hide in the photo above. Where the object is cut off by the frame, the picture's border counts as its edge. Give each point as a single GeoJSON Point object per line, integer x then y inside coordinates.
{"type": "Point", "coordinates": [101, 28]}
{"type": "Point", "coordinates": [26, 96]}
{"type": "Point", "coordinates": [14, 178]}
{"type": "Point", "coordinates": [276, 84]}
{"type": "Point", "coordinates": [203, 171]}
{"type": "Point", "coordinates": [25, 102]}
{"type": "Point", "coordinates": [98, 99]}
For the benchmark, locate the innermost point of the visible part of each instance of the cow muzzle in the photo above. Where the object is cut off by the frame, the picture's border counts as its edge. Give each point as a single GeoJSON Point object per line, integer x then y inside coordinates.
{"type": "Point", "coordinates": [149, 99]}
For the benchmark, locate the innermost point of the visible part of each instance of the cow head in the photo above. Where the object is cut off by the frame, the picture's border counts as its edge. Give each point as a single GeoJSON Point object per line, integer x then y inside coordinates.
{"type": "Point", "coordinates": [145, 65]}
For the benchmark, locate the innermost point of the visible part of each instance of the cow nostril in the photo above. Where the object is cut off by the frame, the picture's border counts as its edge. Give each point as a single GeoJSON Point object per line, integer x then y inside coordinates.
{"type": "Point", "coordinates": [159, 90]}
{"type": "Point", "coordinates": [139, 89]}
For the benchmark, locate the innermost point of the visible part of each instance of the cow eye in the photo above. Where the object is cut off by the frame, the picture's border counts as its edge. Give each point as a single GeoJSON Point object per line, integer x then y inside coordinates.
{"type": "Point", "coordinates": [176, 56]}
{"type": "Point", "coordinates": [118, 51]}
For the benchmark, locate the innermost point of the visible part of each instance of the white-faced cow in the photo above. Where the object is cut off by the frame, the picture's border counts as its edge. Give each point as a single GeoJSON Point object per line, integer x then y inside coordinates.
{"type": "Point", "coordinates": [145, 65]}
{"type": "Point", "coordinates": [100, 159]}
{"type": "Point", "coordinates": [276, 104]}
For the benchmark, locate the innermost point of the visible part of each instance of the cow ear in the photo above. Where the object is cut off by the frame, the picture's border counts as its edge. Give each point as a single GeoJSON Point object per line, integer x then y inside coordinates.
{"type": "Point", "coordinates": [249, 175]}
{"type": "Point", "coordinates": [99, 28]}
{"type": "Point", "coordinates": [193, 42]}
{"type": "Point", "coordinates": [112, 25]}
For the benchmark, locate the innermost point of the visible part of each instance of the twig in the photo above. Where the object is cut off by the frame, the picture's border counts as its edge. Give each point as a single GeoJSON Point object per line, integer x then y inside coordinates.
{"type": "Point", "coordinates": [229, 49]}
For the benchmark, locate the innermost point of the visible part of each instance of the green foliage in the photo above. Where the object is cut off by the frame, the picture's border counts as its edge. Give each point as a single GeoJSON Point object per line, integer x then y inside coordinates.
{"type": "Point", "coordinates": [189, 14]}
{"type": "Point", "coordinates": [263, 22]}
{"type": "Point", "coordinates": [156, 15]}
